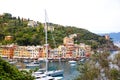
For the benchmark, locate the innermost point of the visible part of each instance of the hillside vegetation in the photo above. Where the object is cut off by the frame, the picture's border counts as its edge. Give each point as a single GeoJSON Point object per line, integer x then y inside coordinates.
{"type": "Point", "coordinates": [25, 35]}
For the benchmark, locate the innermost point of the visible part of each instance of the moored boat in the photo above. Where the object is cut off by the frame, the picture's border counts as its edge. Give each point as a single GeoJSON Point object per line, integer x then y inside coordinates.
{"type": "Point", "coordinates": [32, 64]}
{"type": "Point", "coordinates": [72, 62]}
{"type": "Point", "coordinates": [55, 73]}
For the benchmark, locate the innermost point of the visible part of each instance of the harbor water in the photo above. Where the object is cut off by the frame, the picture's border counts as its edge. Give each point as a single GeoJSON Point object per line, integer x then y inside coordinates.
{"type": "Point", "coordinates": [70, 71]}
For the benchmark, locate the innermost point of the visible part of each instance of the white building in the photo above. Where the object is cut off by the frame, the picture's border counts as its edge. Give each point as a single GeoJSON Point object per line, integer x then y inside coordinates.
{"type": "Point", "coordinates": [32, 24]}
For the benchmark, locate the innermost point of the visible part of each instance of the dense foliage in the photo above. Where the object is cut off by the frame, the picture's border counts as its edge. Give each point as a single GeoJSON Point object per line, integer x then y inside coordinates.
{"type": "Point", "coordinates": [100, 67]}
{"type": "Point", "coordinates": [9, 72]}
{"type": "Point", "coordinates": [25, 35]}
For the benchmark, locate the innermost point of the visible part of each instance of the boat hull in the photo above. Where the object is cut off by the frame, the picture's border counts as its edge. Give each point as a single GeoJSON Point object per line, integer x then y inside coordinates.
{"type": "Point", "coordinates": [55, 73]}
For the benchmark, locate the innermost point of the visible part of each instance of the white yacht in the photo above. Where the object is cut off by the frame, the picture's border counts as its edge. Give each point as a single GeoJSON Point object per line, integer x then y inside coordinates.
{"type": "Point", "coordinates": [72, 62]}
{"type": "Point", "coordinates": [40, 76]}
{"type": "Point", "coordinates": [55, 73]}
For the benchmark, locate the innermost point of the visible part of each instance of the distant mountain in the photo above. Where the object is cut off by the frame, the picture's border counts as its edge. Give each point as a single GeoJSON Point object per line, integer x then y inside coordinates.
{"type": "Point", "coordinates": [115, 36]}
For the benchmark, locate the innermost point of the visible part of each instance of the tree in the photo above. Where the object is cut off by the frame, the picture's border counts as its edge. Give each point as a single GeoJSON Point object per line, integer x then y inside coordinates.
{"type": "Point", "coordinates": [97, 68]}
{"type": "Point", "coordinates": [117, 59]}
{"type": "Point", "coordinates": [7, 16]}
{"type": "Point", "coordinates": [9, 72]}
{"type": "Point", "coordinates": [19, 21]}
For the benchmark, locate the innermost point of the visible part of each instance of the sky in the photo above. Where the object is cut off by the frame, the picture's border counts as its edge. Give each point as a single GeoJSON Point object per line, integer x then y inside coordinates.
{"type": "Point", "coordinates": [97, 16]}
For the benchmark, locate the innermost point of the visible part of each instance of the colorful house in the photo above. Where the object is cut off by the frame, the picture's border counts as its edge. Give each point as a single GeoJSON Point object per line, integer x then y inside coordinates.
{"type": "Point", "coordinates": [21, 52]}
{"type": "Point", "coordinates": [62, 51]}
{"type": "Point", "coordinates": [7, 51]}
{"type": "Point", "coordinates": [69, 44]}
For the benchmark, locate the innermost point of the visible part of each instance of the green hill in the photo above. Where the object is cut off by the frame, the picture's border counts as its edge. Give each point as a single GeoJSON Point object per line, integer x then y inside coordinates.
{"type": "Point", "coordinates": [26, 35]}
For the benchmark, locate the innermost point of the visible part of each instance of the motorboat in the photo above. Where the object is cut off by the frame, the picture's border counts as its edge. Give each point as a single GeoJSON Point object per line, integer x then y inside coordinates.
{"type": "Point", "coordinates": [33, 64]}
{"type": "Point", "coordinates": [72, 65]}
{"type": "Point", "coordinates": [12, 62]}
{"type": "Point", "coordinates": [41, 76]}
{"type": "Point", "coordinates": [59, 78]}
{"type": "Point", "coordinates": [26, 61]}
{"type": "Point", "coordinates": [55, 73]}
{"type": "Point", "coordinates": [72, 62]}
{"type": "Point", "coordinates": [41, 59]}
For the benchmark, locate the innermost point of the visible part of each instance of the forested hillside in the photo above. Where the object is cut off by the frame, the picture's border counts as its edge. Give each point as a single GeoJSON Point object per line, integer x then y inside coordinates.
{"type": "Point", "coordinates": [26, 35]}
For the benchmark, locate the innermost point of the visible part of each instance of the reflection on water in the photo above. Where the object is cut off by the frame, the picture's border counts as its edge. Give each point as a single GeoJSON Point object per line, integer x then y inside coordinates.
{"type": "Point", "coordinates": [70, 71]}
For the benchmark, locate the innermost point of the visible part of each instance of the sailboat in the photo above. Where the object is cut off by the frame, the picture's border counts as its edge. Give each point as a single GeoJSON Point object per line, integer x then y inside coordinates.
{"type": "Point", "coordinates": [47, 75]}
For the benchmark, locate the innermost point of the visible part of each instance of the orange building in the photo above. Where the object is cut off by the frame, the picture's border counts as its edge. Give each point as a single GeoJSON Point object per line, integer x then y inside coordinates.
{"type": "Point", "coordinates": [42, 51]}
{"type": "Point", "coordinates": [8, 51]}
{"type": "Point", "coordinates": [69, 44]}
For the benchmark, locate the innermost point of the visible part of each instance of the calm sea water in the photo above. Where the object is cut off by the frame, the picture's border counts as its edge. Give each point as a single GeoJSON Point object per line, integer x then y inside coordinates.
{"type": "Point", "coordinates": [70, 71]}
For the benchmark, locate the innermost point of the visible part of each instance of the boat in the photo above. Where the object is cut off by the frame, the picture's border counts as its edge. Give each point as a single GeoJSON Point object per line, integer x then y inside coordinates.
{"type": "Point", "coordinates": [55, 73]}
{"type": "Point", "coordinates": [46, 75]}
{"type": "Point", "coordinates": [40, 76]}
{"type": "Point", "coordinates": [41, 59]}
{"type": "Point", "coordinates": [58, 78]}
{"type": "Point", "coordinates": [33, 64]}
{"type": "Point", "coordinates": [72, 62]}
{"type": "Point", "coordinates": [26, 61]}
{"type": "Point", "coordinates": [12, 62]}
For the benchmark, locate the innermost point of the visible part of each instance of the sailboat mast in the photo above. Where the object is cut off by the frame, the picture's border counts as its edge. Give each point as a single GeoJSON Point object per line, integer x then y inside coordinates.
{"type": "Point", "coordinates": [46, 45]}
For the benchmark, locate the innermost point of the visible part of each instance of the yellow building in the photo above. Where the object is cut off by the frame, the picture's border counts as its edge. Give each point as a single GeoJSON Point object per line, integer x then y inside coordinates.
{"type": "Point", "coordinates": [8, 38]}
{"type": "Point", "coordinates": [62, 51]}
{"type": "Point", "coordinates": [21, 52]}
